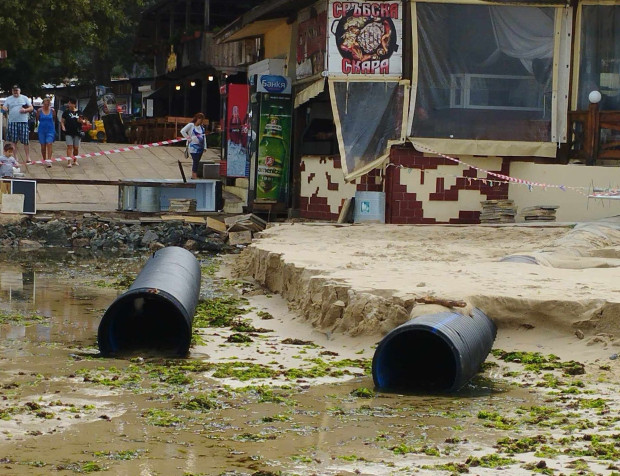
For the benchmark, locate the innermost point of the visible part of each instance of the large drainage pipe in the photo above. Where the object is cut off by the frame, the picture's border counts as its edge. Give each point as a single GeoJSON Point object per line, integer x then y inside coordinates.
{"type": "Point", "coordinates": [433, 353]}
{"type": "Point", "coordinates": [156, 312]}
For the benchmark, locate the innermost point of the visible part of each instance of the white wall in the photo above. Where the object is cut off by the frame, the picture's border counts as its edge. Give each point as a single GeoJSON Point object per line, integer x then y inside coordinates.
{"type": "Point", "coordinates": [574, 205]}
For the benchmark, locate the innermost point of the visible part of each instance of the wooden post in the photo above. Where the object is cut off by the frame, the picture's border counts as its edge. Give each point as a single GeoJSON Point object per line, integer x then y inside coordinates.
{"type": "Point", "coordinates": [591, 133]}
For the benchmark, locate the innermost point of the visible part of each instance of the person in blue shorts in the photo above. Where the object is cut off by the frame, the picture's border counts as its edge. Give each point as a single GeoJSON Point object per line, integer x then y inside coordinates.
{"type": "Point", "coordinates": [47, 131]}
{"type": "Point", "coordinates": [19, 107]}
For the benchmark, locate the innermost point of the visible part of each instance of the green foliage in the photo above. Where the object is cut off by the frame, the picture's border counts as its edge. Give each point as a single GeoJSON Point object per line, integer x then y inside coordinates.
{"type": "Point", "coordinates": [52, 40]}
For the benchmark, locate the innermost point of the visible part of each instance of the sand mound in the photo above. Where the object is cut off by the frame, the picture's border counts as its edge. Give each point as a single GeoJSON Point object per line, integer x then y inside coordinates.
{"type": "Point", "coordinates": [367, 279]}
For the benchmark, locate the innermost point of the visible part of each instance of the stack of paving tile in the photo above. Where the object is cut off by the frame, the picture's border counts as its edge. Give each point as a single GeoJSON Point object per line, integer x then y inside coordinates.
{"type": "Point", "coordinates": [498, 211]}
{"type": "Point", "coordinates": [539, 213]}
{"type": "Point", "coordinates": [182, 205]}
{"type": "Point", "coordinates": [248, 222]}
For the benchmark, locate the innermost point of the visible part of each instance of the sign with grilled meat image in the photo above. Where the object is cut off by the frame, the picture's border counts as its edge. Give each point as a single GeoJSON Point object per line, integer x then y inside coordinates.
{"type": "Point", "coordinates": [365, 38]}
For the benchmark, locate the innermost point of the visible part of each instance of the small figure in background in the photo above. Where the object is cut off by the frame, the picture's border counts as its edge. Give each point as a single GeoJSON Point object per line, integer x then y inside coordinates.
{"type": "Point", "coordinates": [47, 131]}
{"type": "Point", "coordinates": [8, 161]}
{"type": "Point", "coordinates": [19, 108]}
{"type": "Point", "coordinates": [194, 132]}
{"type": "Point", "coordinates": [71, 124]}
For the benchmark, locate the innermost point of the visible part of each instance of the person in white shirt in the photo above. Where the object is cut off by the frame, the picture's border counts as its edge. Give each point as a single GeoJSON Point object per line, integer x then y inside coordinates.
{"type": "Point", "coordinates": [196, 137]}
{"type": "Point", "coordinates": [19, 108]}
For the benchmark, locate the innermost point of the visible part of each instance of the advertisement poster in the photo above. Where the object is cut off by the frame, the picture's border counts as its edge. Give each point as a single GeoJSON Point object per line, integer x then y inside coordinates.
{"type": "Point", "coordinates": [312, 40]}
{"type": "Point", "coordinates": [274, 148]}
{"type": "Point", "coordinates": [365, 39]}
{"type": "Point", "coordinates": [237, 162]}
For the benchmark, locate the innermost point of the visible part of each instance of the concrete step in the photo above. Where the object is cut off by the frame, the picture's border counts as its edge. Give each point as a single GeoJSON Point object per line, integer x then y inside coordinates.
{"type": "Point", "coordinates": [234, 208]}
{"type": "Point", "coordinates": [240, 192]}
{"type": "Point", "coordinates": [232, 203]}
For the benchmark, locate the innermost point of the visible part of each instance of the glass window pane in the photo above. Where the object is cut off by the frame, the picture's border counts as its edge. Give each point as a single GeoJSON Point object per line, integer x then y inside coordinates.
{"type": "Point", "coordinates": [599, 65]}
{"type": "Point", "coordinates": [484, 72]}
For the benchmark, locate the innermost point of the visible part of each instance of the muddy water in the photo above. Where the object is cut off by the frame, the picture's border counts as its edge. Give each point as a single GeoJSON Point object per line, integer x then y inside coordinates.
{"type": "Point", "coordinates": [66, 410]}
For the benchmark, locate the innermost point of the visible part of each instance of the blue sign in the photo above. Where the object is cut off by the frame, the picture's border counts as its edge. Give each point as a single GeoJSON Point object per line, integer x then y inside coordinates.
{"type": "Point", "coordinates": [270, 83]}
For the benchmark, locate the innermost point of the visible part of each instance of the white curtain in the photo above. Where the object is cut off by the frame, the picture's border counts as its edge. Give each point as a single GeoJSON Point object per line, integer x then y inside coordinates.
{"type": "Point", "coordinates": [524, 33]}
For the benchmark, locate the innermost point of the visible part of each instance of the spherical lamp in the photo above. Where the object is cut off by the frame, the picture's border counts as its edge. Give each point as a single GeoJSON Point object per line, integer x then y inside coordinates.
{"type": "Point", "coordinates": [595, 97]}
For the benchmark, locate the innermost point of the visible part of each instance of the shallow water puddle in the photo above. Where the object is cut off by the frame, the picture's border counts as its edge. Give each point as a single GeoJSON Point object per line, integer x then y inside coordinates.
{"type": "Point", "coordinates": [65, 410]}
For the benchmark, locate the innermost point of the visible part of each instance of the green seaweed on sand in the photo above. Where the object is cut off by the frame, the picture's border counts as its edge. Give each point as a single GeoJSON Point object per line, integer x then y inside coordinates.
{"type": "Point", "coordinates": [159, 417]}
{"type": "Point", "coordinates": [219, 311]}
{"type": "Point", "coordinates": [535, 361]}
{"type": "Point", "coordinates": [19, 318]}
{"type": "Point", "coordinates": [489, 461]}
{"type": "Point", "coordinates": [238, 338]}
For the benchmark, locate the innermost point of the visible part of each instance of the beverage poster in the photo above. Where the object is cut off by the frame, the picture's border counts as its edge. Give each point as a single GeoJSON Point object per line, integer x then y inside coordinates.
{"type": "Point", "coordinates": [237, 161]}
{"type": "Point", "coordinates": [274, 148]}
{"type": "Point", "coordinates": [365, 39]}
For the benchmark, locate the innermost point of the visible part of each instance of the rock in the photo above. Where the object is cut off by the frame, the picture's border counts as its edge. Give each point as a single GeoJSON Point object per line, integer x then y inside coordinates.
{"type": "Point", "coordinates": [149, 237]}
{"type": "Point", "coordinates": [191, 245]}
{"type": "Point", "coordinates": [54, 233]}
{"type": "Point", "coordinates": [29, 244]}
{"type": "Point", "coordinates": [156, 245]}
{"type": "Point", "coordinates": [6, 243]}
{"type": "Point", "coordinates": [240, 237]}
{"type": "Point", "coordinates": [80, 242]}
{"type": "Point", "coordinates": [579, 334]}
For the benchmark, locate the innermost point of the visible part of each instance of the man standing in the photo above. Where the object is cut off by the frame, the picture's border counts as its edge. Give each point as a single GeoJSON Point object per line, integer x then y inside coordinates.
{"type": "Point", "coordinates": [18, 107]}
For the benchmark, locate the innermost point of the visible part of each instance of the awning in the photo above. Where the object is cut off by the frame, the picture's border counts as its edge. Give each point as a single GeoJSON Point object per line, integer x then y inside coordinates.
{"type": "Point", "coordinates": [255, 29]}
{"type": "Point", "coordinates": [312, 90]}
{"type": "Point", "coordinates": [162, 92]}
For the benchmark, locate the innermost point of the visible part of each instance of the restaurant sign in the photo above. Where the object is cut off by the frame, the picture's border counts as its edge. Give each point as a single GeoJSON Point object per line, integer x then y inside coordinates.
{"type": "Point", "coordinates": [365, 38]}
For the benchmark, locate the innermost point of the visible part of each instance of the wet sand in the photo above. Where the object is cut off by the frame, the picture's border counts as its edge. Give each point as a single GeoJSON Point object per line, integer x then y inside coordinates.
{"type": "Point", "coordinates": [299, 399]}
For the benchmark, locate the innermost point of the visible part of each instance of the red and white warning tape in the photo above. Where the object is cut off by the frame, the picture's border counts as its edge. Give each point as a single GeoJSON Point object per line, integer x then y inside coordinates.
{"type": "Point", "coordinates": [109, 152]}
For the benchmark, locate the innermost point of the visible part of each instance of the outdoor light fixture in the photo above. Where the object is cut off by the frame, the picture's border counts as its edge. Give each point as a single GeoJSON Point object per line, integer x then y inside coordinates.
{"type": "Point", "coordinates": [192, 83]}
{"type": "Point", "coordinates": [178, 87]}
{"type": "Point", "coordinates": [210, 78]}
{"type": "Point", "coordinates": [595, 97]}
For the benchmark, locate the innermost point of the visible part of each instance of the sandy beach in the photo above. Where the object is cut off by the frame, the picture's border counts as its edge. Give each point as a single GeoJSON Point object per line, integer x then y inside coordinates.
{"type": "Point", "coordinates": [367, 279]}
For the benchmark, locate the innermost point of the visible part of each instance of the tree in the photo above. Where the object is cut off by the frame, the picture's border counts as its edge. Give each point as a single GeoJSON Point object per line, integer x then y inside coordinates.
{"type": "Point", "coordinates": [51, 41]}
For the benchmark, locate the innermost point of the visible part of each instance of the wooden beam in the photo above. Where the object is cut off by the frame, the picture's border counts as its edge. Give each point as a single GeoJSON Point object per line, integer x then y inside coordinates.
{"type": "Point", "coordinates": [136, 183]}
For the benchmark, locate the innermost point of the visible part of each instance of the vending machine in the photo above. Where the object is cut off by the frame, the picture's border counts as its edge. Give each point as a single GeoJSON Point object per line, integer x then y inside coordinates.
{"type": "Point", "coordinates": [236, 127]}
{"type": "Point", "coordinates": [269, 139]}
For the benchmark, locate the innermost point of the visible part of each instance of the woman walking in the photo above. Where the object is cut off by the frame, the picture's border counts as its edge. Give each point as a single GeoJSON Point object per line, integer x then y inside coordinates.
{"type": "Point", "coordinates": [194, 132]}
{"type": "Point", "coordinates": [47, 131]}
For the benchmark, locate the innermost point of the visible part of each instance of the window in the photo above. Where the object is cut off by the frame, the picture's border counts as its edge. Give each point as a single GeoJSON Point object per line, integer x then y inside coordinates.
{"type": "Point", "coordinates": [484, 72]}
{"type": "Point", "coordinates": [599, 62]}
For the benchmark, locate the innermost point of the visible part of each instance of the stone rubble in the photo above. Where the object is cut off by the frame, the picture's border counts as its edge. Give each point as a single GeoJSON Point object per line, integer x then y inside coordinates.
{"type": "Point", "coordinates": [110, 234]}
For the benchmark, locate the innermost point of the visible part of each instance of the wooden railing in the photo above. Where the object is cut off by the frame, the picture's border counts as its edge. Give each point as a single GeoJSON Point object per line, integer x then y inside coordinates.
{"type": "Point", "coordinates": [594, 135]}
{"type": "Point", "coordinates": [147, 131]}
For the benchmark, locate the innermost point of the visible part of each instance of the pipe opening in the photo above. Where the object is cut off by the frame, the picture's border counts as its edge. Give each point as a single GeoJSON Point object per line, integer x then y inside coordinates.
{"type": "Point", "coordinates": [144, 321]}
{"type": "Point", "coordinates": [415, 360]}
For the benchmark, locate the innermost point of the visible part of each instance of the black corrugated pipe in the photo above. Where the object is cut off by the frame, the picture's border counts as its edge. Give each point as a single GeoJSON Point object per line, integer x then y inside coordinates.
{"type": "Point", "coordinates": [156, 312]}
{"type": "Point", "coordinates": [433, 353]}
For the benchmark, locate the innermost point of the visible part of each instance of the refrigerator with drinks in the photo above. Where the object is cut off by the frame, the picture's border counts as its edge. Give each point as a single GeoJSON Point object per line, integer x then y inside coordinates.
{"type": "Point", "coordinates": [269, 139]}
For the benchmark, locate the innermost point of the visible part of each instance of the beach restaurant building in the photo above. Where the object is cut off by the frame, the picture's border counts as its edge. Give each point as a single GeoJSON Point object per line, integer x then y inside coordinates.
{"type": "Point", "coordinates": [438, 105]}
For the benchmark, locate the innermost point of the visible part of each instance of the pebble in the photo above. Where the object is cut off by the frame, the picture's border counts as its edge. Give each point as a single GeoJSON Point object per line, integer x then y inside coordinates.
{"type": "Point", "coordinates": [613, 356]}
